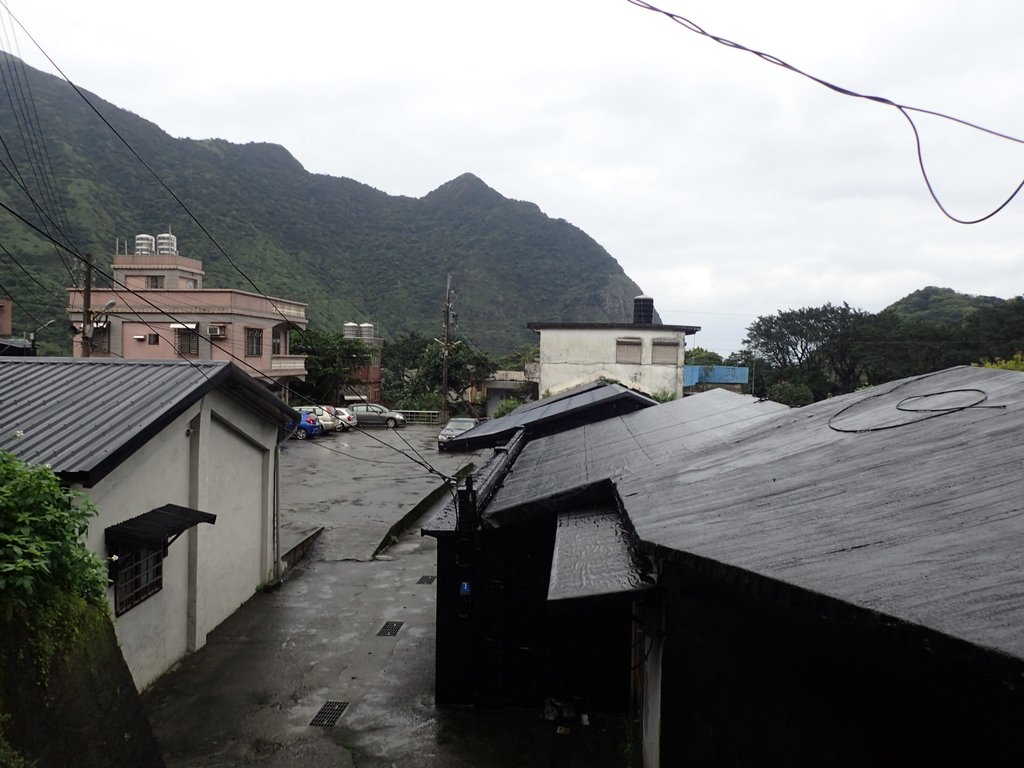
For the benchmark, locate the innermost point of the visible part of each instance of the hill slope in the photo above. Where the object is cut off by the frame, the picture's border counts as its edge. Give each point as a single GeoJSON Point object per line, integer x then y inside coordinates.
{"type": "Point", "coordinates": [942, 306]}
{"type": "Point", "coordinates": [352, 252]}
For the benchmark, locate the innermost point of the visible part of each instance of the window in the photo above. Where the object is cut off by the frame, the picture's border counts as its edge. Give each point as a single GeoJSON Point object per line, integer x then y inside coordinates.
{"type": "Point", "coordinates": [254, 342]}
{"type": "Point", "coordinates": [627, 350]}
{"type": "Point", "coordinates": [665, 352]}
{"type": "Point", "coordinates": [275, 343]}
{"type": "Point", "coordinates": [138, 573]}
{"type": "Point", "coordinates": [190, 284]}
{"type": "Point", "coordinates": [154, 281]}
{"type": "Point", "coordinates": [153, 339]}
{"type": "Point", "coordinates": [186, 342]}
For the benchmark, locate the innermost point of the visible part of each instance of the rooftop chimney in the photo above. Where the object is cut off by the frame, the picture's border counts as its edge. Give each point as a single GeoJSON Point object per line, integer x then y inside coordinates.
{"type": "Point", "coordinates": [643, 310]}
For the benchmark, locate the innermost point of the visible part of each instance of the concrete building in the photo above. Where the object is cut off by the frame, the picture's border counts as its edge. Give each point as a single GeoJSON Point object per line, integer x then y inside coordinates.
{"type": "Point", "coordinates": [159, 310]}
{"type": "Point", "coordinates": [642, 355]}
{"type": "Point", "coordinates": [181, 460]}
{"type": "Point", "coordinates": [367, 377]}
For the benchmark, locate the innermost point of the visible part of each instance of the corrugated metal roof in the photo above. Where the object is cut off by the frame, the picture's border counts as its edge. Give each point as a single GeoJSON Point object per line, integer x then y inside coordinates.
{"type": "Point", "coordinates": [920, 518]}
{"type": "Point", "coordinates": [670, 434]}
{"type": "Point", "coordinates": [154, 528]}
{"type": "Point", "coordinates": [594, 555]}
{"type": "Point", "coordinates": [592, 402]}
{"type": "Point", "coordinates": [82, 417]}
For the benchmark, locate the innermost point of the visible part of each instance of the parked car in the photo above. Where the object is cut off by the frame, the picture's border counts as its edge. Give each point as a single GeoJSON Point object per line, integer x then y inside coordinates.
{"type": "Point", "coordinates": [346, 419]}
{"type": "Point", "coordinates": [327, 417]}
{"type": "Point", "coordinates": [453, 429]}
{"type": "Point", "coordinates": [308, 425]}
{"type": "Point", "coordinates": [373, 415]}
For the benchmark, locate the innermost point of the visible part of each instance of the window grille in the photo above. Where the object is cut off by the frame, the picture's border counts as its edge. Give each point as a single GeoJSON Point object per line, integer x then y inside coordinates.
{"type": "Point", "coordinates": [253, 342]}
{"type": "Point", "coordinates": [665, 352]}
{"type": "Point", "coordinates": [275, 343]}
{"type": "Point", "coordinates": [154, 281]}
{"type": "Point", "coordinates": [186, 342]}
{"type": "Point", "coordinates": [100, 341]}
{"type": "Point", "coordinates": [138, 575]}
{"type": "Point", "coordinates": [628, 350]}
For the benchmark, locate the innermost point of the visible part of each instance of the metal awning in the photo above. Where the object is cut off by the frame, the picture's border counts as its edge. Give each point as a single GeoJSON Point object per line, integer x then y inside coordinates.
{"type": "Point", "coordinates": [594, 555]}
{"type": "Point", "coordinates": [158, 527]}
{"type": "Point", "coordinates": [183, 326]}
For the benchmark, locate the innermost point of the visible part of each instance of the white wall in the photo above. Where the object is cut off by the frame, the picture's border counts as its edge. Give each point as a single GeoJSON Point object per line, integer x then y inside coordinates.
{"type": "Point", "coordinates": [217, 457]}
{"type": "Point", "coordinates": [570, 357]}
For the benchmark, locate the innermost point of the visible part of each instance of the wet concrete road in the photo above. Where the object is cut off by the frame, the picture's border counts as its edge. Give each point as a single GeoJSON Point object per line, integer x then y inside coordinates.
{"type": "Point", "coordinates": [249, 696]}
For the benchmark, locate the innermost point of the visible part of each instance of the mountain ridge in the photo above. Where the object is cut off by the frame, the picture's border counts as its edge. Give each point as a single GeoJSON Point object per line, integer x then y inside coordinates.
{"type": "Point", "coordinates": [352, 252]}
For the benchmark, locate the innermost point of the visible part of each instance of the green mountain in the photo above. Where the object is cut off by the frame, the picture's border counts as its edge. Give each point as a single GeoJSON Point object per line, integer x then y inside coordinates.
{"type": "Point", "coordinates": [942, 306]}
{"type": "Point", "coordinates": [349, 250]}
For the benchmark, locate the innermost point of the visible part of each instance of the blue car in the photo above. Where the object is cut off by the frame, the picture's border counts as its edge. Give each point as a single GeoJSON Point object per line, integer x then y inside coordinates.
{"type": "Point", "coordinates": [309, 425]}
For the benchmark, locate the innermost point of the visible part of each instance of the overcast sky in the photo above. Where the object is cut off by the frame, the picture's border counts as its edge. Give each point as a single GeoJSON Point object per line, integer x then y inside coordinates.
{"type": "Point", "coordinates": [726, 187]}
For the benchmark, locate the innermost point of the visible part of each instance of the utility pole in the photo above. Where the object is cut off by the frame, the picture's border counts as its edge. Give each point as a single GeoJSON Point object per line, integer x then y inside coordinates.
{"type": "Point", "coordinates": [87, 308]}
{"type": "Point", "coordinates": [446, 348]}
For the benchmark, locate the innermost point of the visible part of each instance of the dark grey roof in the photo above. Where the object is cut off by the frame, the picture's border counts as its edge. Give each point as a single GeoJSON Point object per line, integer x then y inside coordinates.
{"type": "Point", "coordinates": [154, 528]}
{"type": "Point", "coordinates": [592, 402]}
{"type": "Point", "coordinates": [686, 329]}
{"type": "Point", "coordinates": [672, 433]}
{"type": "Point", "coordinates": [915, 510]}
{"type": "Point", "coordinates": [594, 555]}
{"type": "Point", "coordinates": [83, 417]}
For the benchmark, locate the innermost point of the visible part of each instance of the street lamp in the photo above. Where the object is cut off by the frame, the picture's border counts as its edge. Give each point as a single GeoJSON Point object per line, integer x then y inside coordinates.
{"type": "Point", "coordinates": [32, 336]}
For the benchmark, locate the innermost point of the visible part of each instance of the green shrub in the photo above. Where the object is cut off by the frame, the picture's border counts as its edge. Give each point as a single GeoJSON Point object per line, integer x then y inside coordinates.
{"type": "Point", "coordinates": [41, 547]}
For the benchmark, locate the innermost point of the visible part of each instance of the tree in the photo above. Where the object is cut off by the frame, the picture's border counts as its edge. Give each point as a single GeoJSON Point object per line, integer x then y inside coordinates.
{"type": "Point", "coordinates": [331, 360]}
{"type": "Point", "coordinates": [703, 357]}
{"type": "Point", "coordinates": [399, 361]}
{"type": "Point", "coordinates": [468, 368]}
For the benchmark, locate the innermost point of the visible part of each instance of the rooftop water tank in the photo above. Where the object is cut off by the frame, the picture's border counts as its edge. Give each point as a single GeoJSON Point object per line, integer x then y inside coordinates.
{"type": "Point", "coordinates": [366, 330]}
{"type": "Point", "coordinates": [643, 310]}
{"type": "Point", "coordinates": [351, 330]}
{"type": "Point", "coordinates": [167, 244]}
{"type": "Point", "coordinates": [145, 245]}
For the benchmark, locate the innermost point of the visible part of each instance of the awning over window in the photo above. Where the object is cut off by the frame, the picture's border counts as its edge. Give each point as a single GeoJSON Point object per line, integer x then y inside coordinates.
{"type": "Point", "coordinates": [155, 528]}
{"type": "Point", "coordinates": [183, 326]}
{"type": "Point", "coordinates": [594, 555]}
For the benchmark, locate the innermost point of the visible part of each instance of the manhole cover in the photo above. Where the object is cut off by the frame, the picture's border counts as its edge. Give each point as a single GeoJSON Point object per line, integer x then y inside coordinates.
{"type": "Point", "coordinates": [390, 628]}
{"type": "Point", "coordinates": [329, 714]}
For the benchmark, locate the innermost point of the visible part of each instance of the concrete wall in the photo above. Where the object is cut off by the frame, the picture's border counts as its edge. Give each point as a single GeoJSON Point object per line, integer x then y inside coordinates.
{"type": "Point", "coordinates": [217, 457]}
{"type": "Point", "coordinates": [570, 357]}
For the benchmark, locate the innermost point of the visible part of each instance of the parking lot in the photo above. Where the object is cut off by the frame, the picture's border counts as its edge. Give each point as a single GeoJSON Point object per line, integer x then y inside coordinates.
{"type": "Point", "coordinates": [251, 696]}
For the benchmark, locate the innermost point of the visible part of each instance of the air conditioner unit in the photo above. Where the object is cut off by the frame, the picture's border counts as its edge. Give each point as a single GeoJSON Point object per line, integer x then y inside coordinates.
{"type": "Point", "coordinates": [216, 331]}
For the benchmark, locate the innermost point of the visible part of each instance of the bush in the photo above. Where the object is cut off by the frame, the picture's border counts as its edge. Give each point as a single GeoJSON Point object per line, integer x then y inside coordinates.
{"type": "Point", "coordinates": [506, 407]}
{"type": "Point", "coordinates": [41, 548]}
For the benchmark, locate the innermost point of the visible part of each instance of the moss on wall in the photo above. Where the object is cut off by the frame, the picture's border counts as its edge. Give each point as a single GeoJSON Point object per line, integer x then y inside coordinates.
{"type": "Point", "coordinates": [66, 694]}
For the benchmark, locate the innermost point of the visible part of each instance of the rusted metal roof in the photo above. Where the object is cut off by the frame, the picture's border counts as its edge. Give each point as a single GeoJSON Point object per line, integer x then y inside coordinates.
{"type": "Point", "coordinates": [83, 417]}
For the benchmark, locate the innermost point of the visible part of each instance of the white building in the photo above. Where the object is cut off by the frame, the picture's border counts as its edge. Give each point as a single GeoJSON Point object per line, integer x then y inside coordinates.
{"type": "Point", "coordinates": [181, 460]}
{"type": "Point", "coordinates": [642, 355]}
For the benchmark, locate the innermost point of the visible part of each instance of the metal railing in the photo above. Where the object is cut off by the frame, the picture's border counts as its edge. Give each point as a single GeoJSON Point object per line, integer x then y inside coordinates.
{"type": "Point", "coordinates": [422, 417]}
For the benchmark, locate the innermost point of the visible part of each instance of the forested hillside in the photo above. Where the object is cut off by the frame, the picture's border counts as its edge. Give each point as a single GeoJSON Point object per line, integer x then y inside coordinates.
{"type": "Point", "coordinates": [352, 252]}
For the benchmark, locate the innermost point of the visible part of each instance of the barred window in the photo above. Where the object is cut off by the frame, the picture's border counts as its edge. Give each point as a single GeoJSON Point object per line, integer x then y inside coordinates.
{"type": "Point", "coordinates": [627, 350]}
{"type": "Point", "coordinates": [138, 574]}
{"type": "Point", "coordinates": [186, 342]}
{"type": "Point", "coordinates": [665, 352]}
{"type": "Point", "coordinates": [253, 342]}
{"type": "Point", "coordinates": [154, 281]}
{"type": "Point", "coordinates": [275, 343]}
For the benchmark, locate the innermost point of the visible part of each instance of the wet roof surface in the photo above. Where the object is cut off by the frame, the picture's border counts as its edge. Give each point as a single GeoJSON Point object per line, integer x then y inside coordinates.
{"type": "Point", "coordinates": [672, 433]}
{"type": "Point", "coordinates": [593, 556]}
{"type": "Point", "coordinates": [914, 510]}
{"type": "Point", "coordinates": [582, 403]}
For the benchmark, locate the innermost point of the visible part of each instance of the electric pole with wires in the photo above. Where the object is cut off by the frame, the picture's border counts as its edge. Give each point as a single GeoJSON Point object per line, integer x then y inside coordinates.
{"type": "Point", "coordinates": [446, 347]}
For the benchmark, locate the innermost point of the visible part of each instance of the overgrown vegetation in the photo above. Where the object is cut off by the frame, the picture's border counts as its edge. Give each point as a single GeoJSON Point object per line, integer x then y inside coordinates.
{"type": "Point", "coordinates": [804, 355]}
{"type": "Point", "coordinates": [331, 363]}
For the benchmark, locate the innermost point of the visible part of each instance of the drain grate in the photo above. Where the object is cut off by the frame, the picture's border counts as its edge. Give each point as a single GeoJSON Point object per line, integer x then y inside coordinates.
{"type": "Point", "coordinates": [426, 580]}
{"type": "Point", "coordinates": [329, 713]}
{"type": "Point", "coordinates": [390, 628]}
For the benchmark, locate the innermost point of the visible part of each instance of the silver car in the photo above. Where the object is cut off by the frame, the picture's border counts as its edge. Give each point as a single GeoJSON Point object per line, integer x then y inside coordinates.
{"type": "Point", "coordinates": [373, 415]}
{"type": "Point", "coordinates": [453, 429]}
